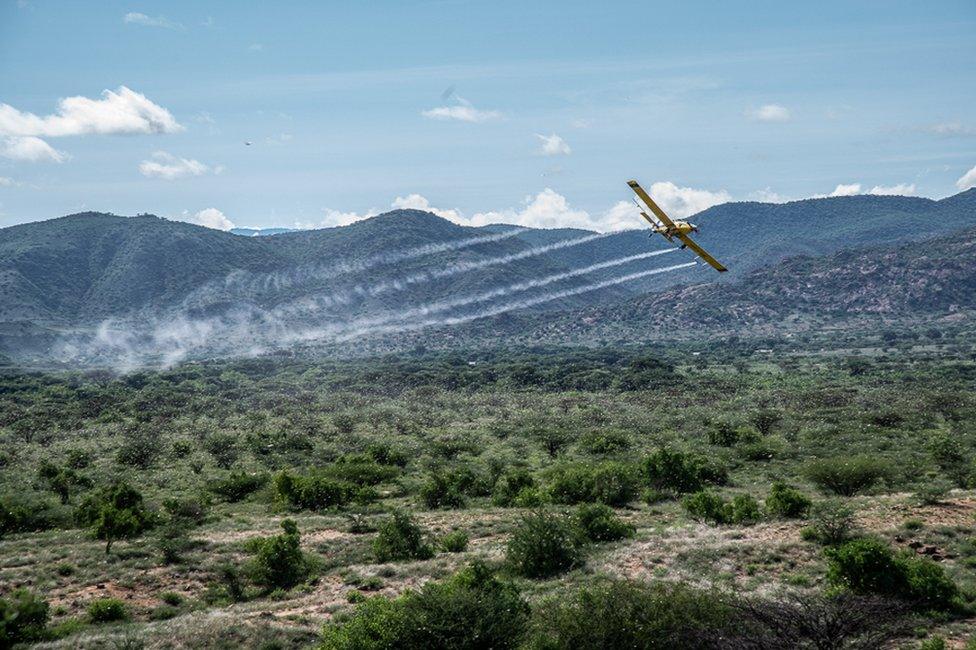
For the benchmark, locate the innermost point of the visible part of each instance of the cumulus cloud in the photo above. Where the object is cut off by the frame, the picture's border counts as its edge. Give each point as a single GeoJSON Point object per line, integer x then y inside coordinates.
{"type": "Point", "coordinates": [770, 113]}
{"type": "Point", "coordinates": [7, 182]}
{"type": "Point", "coordinates": [549, 209]}
{"type": "Point", "coordinates": [850, 189]}
{"type": "Point", "coordinates": [169, 167]}
{"type": "Point", "coordinates": [854, 189]}
{"type": "Point", "coordinates": [901, 189]}
{"type": "Point", "coordinates": [30, 149]}
{"type": "Point", "coordinates": [681, 202]}
{"type": "Point", "coordinates": [553, 145]}
{"type": "Point", "coordinates": [767, 196]}
{"type": "Point", "coordinates": [136, 18]}
{"type": "Point", "coordinates": [122, 111]}
{"type": "Point", "coordinates": [418, 202]}
{"type": "Point", "coordinates": [462, 111]}
{"type": "Point", "coordinates": [967, 180]}
{"type": "Point", "coordinates": [209, 218]}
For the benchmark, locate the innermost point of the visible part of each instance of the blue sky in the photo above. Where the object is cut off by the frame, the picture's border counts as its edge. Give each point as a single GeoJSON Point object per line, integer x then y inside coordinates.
{"type": "Point", "coordinates": [535, 113]}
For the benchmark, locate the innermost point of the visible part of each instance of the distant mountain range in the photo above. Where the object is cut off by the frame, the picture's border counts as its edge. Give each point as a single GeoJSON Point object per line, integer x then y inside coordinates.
{"type": "Point", "coordinates": [67, 278]}
{"type": "Point", "coordinates": [259, 232]}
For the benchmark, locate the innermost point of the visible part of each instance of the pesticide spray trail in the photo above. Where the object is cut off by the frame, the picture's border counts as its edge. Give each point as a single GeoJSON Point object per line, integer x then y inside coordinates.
{"type": "Point", "coordinates": [447, 305]}
{"type": "Point", "coordinates": [464, 267]}
{"type": "Point", "coordinates": [344, 297]}
{"type": "Point", "coordinates": [246, 284]}
{"type": "Point", "coordinates": [501, 309]}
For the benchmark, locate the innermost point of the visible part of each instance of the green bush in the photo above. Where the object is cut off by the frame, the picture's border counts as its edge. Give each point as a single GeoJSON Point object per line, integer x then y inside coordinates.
{"type": "Point", "coordinates": [623, 614]}
{"type": "Point", "coordinates": [455, 542]}
{"type": "Point", "coordinates": [787, 502]}
{"type": "Point", "coordinates": [831, 522]}
{"type": "Point", "coordinates": [611, 483]}
{"type": "Point", "coordinates": [603, 442]}
{"type": "Point", "coordinates": [107, 610]}
{"type": "Point", "coordinates": [677, 471]}
{"type": "Point", "coordinates": [599, 523]}
{"type": "Point", "coordinates": [472, 609]}
{"type": "Point", "coordinates": [362, 470]}
{"type": "Point", "coordinates": [237, 486]}
{"type": "Point", "coordinates": [115, 512]}
{"type": "Point", "coordinates": [279, 562]}
{"type": "Point", "coordinates": [869, 566]}
{"type": "Point", "coordinates": [23, 618]}
{"type": "Point", "coordinates": [448, 487]}
{"type": "Point", "coordinates": [400, 538]}
{"type": "Point", "coordinates": [846, 476]}
{"type": "Point", "coordinates": [26, 512]}
{"type": "Point", "coordinates": [510, 485]}
{"type": "Point", "coordinates": [312, 491]}
{"type": "Point", "coordinates": [708, 506]}
{"type": "Point", "coordinates": [543, 545]}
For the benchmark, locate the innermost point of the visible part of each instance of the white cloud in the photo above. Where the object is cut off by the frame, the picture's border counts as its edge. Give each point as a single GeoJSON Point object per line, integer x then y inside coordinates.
{"type": "Point", "coordinates": [209, 218]}
{"type": "Point", "coordinates": [767, 196]}
{"type": "Point", "coordinates": [547, 209]}
{"type": "Point", "coordinates": [256, 47]}
{"type": "Point", "coordinates": [553, 145]}
{"type": "Point", "coordinates": [967, 180]}
{"type": "Point", "coordinates": [7, 182]}
{"type": "Point", "coordinates": [30, 149]}
{"type": "Point", "coordinates": [850, 189]}
{"type": "Point", "coordinates": [123, 111]}
{"type": "Point", "coordinates": [169, 167]}
{"type": "Point", "coordinates": [417, 202]}
{"type": "Point", "coordinates": [681, 202]}
{"type": "Point", "coordinates": [901, 189]}
{"type": "Point", "coordinates": [136, 18]}
{"type": "Point", "coordinates": [950, 129]}
{"type": "Point", "coordinates": [770, 113]}
{"type": "Point", "coordinates": [462, 111]}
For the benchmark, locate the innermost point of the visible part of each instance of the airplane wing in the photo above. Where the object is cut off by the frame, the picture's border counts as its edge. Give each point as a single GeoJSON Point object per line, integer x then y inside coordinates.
{"type": "Point", "coordinates": [649, 202]}
{"type": "Point", "coordinates": [714, 263]}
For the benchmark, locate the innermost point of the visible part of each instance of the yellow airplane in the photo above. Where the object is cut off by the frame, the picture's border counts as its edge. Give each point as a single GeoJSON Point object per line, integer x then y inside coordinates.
{"type": "Point", "coordinates": [669, 229]}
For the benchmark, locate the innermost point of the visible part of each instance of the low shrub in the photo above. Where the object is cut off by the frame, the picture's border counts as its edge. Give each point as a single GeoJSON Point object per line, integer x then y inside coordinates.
{"type": "Point", "coordinates": [603, 442]}
{"type": "Point", "coordinates": [312, 491]}
{"type": "Point", "coordinates": [787, 502]}
{"type": "Point", "coordinates": [279, 562]}
{"type": "Point", "coordinates": [236, 486]}
{"type": "Point", "coordinates": [543, 545]}
{"type": "Point", "coordinates": [869, 566]}
{"type": "Point", "coordinates": [599, 523]}
{"type": "Point", "coordinates": [612, 483]}
{"type": "Point", "coordinates": [623, 614]}
{"type": "Point", "coordinates": [23, 618]}
{"type": "Point", "coordinates": [831, 522]}
{"type": "Point", "coordinates": [708, 506]}
{"type": "Point", "coordinates": [449, 487]}
{"type": "Point", "coordinates": [510, 485]}
{"type": "Point", "coordinates": [362, 470]}
{"type": "Point", "coordinates": [400, 538]}
{"type": "Point", "coordinates": [847, 476]}
{"type": "Point", "coordinates": [455, 542]}
{"type": "Point", "coordinates": [27, 512]}
{"type": "Point", "coordinates": [677, 471]}
{"type": "Point", "coordinates": [472, 609]}
{"type": "Point", "coordinates": [107, 610]}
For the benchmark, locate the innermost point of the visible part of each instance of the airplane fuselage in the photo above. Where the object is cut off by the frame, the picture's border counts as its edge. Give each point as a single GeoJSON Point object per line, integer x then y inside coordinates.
{"type": "Point", "coordinates": [679, 228]}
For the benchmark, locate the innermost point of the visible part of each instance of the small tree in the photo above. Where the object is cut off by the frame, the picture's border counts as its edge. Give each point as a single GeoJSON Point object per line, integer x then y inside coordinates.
{"type": "Point", "coordinates": [23, 618]}
{"type": "Point", "coordinates": [543, 545]}
{"type": "Point", "coordinates": [401, 539]}
{"type": "Point", "coordinates": [279, 562]}
{"type": "Point", "coordinates": [116, 512]}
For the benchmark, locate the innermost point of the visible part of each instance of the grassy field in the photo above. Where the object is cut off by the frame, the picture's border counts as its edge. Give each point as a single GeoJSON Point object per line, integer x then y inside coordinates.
{"type": "Point", "coordinates": [878, 434]}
